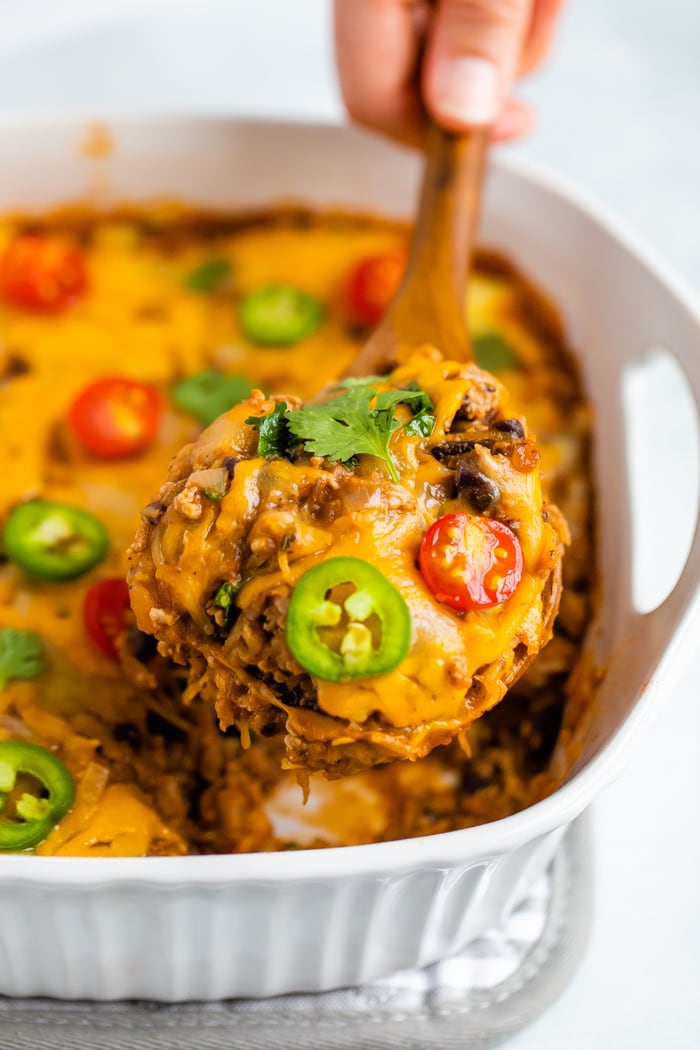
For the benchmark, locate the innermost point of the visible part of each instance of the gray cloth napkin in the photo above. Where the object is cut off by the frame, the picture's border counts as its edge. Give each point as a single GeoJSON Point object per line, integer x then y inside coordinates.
{"type": "Point", "coordinates": [473, 1000]}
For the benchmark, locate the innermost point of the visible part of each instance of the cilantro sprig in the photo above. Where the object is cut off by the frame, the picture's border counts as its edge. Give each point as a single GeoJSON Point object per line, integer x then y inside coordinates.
{"type": "Point", "coordinates": [207, 395]}
{"type": "Point", "coordinates": [493, 353]}
{"type": "Point", "coordinates": [358, 420]}
{"type": "Point", "coordinates": [209, 276]}
{"type": "Point", "coordinates": [20, 655]}
{"type": "Point", "coordinates": [421, 425]}
{"type": "Point", "coordinates": [274, 436]}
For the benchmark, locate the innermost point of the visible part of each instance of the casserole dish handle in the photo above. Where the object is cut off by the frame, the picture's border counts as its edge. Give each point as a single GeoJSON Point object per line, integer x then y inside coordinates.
{"type": "Point", "coordinates": [678, 333]}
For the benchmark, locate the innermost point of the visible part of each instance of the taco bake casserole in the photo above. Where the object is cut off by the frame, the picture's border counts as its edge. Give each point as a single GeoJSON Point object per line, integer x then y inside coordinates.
{"type": "Point", "coordinates": [120, 339]}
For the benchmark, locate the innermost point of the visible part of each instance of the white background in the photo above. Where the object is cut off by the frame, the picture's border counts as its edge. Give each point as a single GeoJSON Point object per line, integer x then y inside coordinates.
{"type": "Point", "coordinates": [620, 113]}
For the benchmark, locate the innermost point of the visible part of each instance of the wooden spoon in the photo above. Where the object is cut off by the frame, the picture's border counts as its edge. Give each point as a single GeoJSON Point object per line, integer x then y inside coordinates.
{"type": "Point", "coordinates": [428, 308]}
{"type": "Point", "coordinates": [429, 305]}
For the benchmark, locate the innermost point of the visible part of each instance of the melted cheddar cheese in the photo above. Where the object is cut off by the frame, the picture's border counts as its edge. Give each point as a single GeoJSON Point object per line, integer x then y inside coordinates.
{"type": "Point", "coordinates": [170, 781]}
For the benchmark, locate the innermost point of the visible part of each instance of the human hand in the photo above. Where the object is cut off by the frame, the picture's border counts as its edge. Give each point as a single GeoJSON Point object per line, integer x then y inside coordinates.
{"type": "Point", "coordinates": [473, 50]}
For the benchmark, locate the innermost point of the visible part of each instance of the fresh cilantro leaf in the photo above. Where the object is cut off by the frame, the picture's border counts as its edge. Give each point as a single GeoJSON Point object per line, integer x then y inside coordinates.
{"type": "Point", "coordinates": [353, 381]}
{"type": "Point", "coordinates": [421, 425]}
{"type": "Point", "coordinates": [347, 426]}
{"type": "Point", "coordinates": [209, 394]}
{"type": "Point", "coordinates": [387, 400]}
{"type": "Point", "coordinates": [344, 427]}
{"type": "Point", "coordinates": [274, 437]}
{"type": "Point", "coordinates": [493, 353]}
{"type": "Point", "coordinates": [209, 276]}
{"type": "Point", "coordinates": [424, 404]}
{"type": "Point", "coordinates": [358, 421]}
{"type": "Point", "coordinates": [20, 655]}
{"type": "Point", "coordinates": [412, 394]}
{"type": "Point", "coordinates": [224, 598]}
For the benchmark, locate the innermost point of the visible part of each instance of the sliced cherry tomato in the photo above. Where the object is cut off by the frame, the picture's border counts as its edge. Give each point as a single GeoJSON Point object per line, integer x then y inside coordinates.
{"type": "Point", "coordinates": [372, 286]}
{"type": "Point", "coordinates": [104, 612]}
{"type": "Point", "coordinates": [116, 417]}
{"type": "Point", "coordinates": [469, 562]}
{"type": "Point", "coordinates": [42, 273]}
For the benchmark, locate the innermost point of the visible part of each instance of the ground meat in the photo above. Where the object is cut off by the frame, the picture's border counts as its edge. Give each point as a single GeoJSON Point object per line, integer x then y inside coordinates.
{"type": "Point", "coordinates": [213, 578]}
{"type": "Point", "coordinates": [479, 403]}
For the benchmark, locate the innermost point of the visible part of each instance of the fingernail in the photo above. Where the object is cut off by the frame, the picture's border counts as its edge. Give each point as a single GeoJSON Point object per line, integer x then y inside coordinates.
{"type": "Point", "coordinates": [467, 90]}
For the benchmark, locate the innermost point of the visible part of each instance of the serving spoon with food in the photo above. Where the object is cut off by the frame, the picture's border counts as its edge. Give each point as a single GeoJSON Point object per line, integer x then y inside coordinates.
{"type": "Point", "coordinates": [369, 572]}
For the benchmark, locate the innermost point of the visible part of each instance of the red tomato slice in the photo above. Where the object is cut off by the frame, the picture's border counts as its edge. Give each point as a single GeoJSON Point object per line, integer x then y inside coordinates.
{"type": "Point", "coordinates": [42, 273]}
{"type": "Point", "coordinates": [469, 562]}
{"type": "Point", "coordinates": [104, 613]}
{"type": "Point", "coordinates": [372, 286]}
{"type": "Point", "coordinates": [116, 417]}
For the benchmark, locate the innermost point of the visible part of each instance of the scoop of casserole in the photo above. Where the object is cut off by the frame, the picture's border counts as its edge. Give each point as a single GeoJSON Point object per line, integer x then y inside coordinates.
{"type": "Point", "coordinates": [367, 573]}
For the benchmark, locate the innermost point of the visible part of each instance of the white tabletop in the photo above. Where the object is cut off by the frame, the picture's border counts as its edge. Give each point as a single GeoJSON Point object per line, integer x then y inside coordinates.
{"type": "Point", "coordinates": [620, 112]}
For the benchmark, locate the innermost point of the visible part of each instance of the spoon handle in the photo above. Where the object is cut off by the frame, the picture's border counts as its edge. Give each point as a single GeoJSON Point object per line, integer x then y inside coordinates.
{"type": "Point", "coordinates": [447, 215]}
{"type": "Point", "coordinates": [429, 305]}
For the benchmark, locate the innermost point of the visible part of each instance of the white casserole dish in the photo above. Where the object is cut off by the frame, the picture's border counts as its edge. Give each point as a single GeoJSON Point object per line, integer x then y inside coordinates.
{"type": "Point", "coordinates": [263, 924]}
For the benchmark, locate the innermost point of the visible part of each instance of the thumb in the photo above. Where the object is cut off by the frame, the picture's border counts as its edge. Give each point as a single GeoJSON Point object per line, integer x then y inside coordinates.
{"type": "Point", "coordinates": [472, 56]}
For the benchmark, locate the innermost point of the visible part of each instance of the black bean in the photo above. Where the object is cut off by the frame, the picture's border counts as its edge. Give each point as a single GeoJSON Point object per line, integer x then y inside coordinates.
{"type": "Point", "coordinates": [300, 696]}
{"type": "Point", "coordinates": [497, 446]}
{"type": "Point", "coordinates": [452, 448]}
{"type": "Point", "coordinates": [229, 464]}
{"type": "Point", "coordinates": [128, 733]}
{"type": "Point", "coordinates": [143, 646]}
{"type": "Point", "coordinates": [153, 513]}
{"type": "Point", "coordinates": [512, 427]}
{"type": "Point", "coordinates": [481, 492]}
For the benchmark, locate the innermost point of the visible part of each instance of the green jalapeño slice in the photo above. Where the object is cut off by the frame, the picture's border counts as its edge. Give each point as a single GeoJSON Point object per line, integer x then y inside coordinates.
{"type": "Point", "coordinates": [26, 820]}
{"type": "Point", "coordinates": [279, 315]}
{"type": "Point", "coordinates": [54, 541]}
{"type": "Point", "coordinates": [346, 620]}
